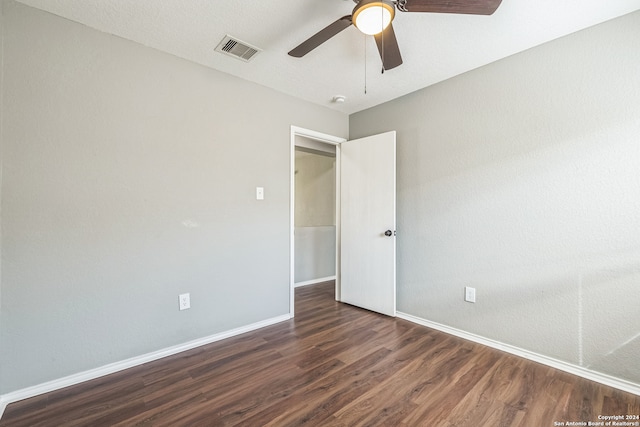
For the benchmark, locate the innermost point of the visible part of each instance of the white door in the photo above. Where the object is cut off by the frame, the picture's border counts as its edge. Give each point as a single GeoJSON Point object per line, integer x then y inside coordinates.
{"type": "Point", "coordinates": [368, 223]}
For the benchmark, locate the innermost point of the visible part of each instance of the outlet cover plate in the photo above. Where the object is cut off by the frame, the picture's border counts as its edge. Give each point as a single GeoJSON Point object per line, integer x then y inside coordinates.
{"type": "Point", "coordinates": [185, 301]}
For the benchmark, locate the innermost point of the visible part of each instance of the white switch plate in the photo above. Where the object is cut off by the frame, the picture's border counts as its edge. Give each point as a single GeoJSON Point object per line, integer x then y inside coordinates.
{"type": "Point", "coordinates": [184, 301]}
{"type": "Point", "coordinates": [259, 193]}
{"type": "Point", "coordinates": [470, 294]}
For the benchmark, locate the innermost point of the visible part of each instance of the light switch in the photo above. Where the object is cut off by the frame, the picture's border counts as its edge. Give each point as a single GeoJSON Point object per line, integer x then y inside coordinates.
{"type": "Point", "coordinates": [259, 193]}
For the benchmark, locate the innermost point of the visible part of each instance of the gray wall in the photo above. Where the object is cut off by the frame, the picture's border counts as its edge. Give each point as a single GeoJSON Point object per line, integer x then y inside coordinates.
{"type": "Point", "coordinates": [129, 177]}
{"type": "Point", "coordinates": [1, 162]}
{"type": "Point", "coordinates": [522, 179]}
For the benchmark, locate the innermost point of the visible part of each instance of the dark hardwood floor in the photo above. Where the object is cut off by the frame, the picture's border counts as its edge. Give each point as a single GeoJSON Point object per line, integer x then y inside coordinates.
{"type": "Point", "coordinates": [333, 365]}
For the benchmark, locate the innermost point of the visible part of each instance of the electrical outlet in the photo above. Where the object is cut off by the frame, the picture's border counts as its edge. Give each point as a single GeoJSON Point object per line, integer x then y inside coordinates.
{"type": "Point", "coordinates": [185, 301]}
{"type": "Point", "coordinates": [470, 294]}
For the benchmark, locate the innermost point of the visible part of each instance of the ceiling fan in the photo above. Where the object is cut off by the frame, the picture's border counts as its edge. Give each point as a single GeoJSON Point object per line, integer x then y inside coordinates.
{"type": "Point", "coordinates": [373, 17]}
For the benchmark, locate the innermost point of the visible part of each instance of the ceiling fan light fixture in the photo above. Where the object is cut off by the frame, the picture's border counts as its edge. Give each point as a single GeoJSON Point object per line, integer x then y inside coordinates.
{"type": "Point", "coordinates": [373, 16]}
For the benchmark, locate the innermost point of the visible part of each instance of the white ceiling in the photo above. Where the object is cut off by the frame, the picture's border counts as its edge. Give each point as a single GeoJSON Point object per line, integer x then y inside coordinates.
{"type": "Point", "coordinates": [434, 47]}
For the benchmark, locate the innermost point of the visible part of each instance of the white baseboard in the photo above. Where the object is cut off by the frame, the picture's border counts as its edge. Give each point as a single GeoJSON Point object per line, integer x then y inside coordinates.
{"type": "Point", "coordinates": [536, 357]}
{"type": "Point", "coordinates": [3, 405]}
{"type": "Point", "coordinates": [314, 281]}
{"type": "Point", "coordinates": [111, 368]}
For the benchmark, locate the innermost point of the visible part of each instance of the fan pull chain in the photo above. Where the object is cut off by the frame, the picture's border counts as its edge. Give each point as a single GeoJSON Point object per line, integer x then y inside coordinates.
{"type": "Point", "coordinates": [365, 64]}
{"type": "Point", "coordinates": [382, 39]}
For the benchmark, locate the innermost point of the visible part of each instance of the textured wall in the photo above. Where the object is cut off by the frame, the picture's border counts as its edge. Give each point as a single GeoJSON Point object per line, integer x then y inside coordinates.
{"type": "Point", "coordinates": [315, 256]}
{"type": "Point", "coordinates": [522, 179]}
{"type": "Point", "coordinates": [1, 162]}
{"type": "Point", "coordinates": [129, 177]}
{"type": "Point", "coordinates": [315, 183]}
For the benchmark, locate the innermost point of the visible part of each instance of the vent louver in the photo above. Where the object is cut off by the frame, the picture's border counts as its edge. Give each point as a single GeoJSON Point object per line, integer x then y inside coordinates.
{"type": "Point", "coordinates": [236, 48]}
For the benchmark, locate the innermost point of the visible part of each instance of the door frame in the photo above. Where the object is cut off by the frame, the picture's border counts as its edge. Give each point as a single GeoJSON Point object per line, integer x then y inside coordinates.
{"type": "Point", "coordinates": [327, 139]}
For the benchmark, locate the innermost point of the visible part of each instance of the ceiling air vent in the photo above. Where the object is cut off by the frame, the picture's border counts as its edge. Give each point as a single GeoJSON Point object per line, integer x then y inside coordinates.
{"type": "Point", "coordinates": [237, 49]}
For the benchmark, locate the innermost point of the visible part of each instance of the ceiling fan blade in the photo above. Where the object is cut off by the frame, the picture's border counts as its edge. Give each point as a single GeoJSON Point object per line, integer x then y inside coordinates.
{"type": "Point", "coordinates": [472, 7]}
{"type": "Point", "coordinates": [321, 36]}
{"type": "Point", "coordinates": [388, 48]}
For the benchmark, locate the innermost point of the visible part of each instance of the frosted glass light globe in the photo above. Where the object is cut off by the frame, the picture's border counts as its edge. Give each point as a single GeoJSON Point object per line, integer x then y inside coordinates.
{"type": "Point", "coordinates": [373, 18]}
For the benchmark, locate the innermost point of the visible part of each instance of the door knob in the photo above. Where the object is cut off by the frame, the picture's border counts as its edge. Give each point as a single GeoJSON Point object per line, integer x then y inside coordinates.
{"type": "Point", "coordinates": [388, 233]}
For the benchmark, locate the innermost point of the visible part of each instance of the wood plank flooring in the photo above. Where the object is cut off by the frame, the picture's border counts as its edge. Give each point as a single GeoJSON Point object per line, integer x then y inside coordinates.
{"type": "Point", "coordinates": [333, 365]}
